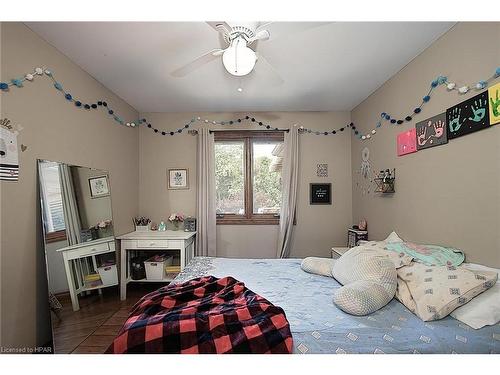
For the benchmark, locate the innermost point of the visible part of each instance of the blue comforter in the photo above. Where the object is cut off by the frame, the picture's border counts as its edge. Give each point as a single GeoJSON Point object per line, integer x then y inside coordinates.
{"type": "Point", "coordinates": [319, 327]}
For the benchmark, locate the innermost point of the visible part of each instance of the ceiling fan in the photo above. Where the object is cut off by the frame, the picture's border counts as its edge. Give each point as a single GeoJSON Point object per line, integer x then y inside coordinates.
{"type": "Point", "coordinates": [236, 38]}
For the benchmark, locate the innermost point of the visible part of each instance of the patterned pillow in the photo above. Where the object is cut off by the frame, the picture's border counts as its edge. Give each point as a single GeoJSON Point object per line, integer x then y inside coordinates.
{"type": "Point", "coordinates": [369, 280]}
{"type": "Point", "coordinates": [393, 237]}
{"type": "Point", "coordinates": [378, 249]}
{"type": "Point", "coordinates": [319, 266]}
{"type": "Point", "coordinates": [432, 293]}
{"type": "Point", "coordinates": [430, 255]}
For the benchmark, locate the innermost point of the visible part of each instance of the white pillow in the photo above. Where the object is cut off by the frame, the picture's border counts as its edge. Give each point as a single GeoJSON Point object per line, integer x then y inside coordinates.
{"type": "Point", "coordinates": [361, 297]}
{"type": "Point", "coordinates": [318, 266]}
{"type": "Point", "coordinates": [369, 281]}
{"type": "Point", "coordinates": [484, 309]}
{"type": "Point", "coordinates": [393, 237]}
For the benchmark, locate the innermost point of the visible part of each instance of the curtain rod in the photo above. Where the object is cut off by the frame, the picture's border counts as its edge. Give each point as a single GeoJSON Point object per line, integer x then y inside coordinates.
{"type": "Point", "coordinates": [195, 132]}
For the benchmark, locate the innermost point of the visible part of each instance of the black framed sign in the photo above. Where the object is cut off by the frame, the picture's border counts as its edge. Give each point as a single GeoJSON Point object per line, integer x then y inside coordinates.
{"type": "Point", "coordinates": [320, 193]}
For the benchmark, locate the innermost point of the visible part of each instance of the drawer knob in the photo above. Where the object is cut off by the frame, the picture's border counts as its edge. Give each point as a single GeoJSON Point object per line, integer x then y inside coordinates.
{"type": "Point", "coordinates": [93, 249]}
{"type": "Point", "coordinates": [152, 244]}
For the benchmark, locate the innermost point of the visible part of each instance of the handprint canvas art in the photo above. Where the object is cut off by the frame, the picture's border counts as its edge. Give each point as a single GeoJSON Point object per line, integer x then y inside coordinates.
{"type": "Point", "coordinates": [494, 102]}
{"type": "Point", "coordinates": [469, 116]}
{"type": "Point", "coordinates": [431, 132]}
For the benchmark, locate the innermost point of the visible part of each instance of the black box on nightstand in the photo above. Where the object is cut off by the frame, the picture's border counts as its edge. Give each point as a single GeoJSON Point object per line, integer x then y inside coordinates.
{"type": "Point", "coordinates": [356, 235]}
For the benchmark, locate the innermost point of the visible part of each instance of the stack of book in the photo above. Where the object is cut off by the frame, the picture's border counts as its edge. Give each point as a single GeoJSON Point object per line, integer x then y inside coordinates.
{"type": "Point", "coordinates": [172, 271]}
{"type": "Point", "coordinates": [92, 280]}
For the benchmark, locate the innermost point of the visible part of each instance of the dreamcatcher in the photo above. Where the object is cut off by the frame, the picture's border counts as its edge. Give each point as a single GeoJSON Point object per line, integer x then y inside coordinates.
{"type": "Point", "coordinates": [366, 172]}
{"type": "Point", "coordinates": [365, 162]}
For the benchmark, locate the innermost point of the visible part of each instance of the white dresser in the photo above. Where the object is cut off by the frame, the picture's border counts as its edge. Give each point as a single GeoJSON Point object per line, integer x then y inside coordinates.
{"type": "Point", "coordinates": [154, 241]}
{"type": "Point", "coordinates": [76, 258]}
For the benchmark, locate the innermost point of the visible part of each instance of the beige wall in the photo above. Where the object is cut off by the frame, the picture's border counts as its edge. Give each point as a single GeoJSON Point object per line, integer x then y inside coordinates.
{"type": "Point", "coordinates": [53, 130]}
{"type": "Point", "coordinates": [449, 194]}
{"type": "Point", "coordinates": [318, 227]}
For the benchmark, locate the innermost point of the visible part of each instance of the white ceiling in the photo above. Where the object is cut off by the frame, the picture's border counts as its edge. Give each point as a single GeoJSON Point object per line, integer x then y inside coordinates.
{"type": "Point", "coordinates": [329, 67]}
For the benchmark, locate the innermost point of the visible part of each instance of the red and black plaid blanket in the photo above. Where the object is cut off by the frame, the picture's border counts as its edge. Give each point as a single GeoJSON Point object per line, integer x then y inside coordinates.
{"type": "Point", "coordinates": [204, 315]}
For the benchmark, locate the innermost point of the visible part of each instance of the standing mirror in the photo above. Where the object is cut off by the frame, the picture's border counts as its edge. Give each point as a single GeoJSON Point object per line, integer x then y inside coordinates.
{"type": "Point", "coordinates": [79, 249]}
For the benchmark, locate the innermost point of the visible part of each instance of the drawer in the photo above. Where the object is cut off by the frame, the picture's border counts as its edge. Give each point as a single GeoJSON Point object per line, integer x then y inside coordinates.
{"type": "Point", "coordinates": [159, 244]}
{"type": "Point", "coordinates": [153, 244]}
{"type": "Point", "coordinates": [175, 244]}
{"type": "Point", "coordinates": [88, 250]}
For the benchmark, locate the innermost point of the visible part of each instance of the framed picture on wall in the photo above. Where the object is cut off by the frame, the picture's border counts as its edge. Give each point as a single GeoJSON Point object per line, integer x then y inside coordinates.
{"type": "Point", "coordinates": [320, 193]}
{"type": "Point", "coordinates": [178, 179]}
{"type": "Point", "coordinates": [99, 186]}
{"type": "Point", "coordinates": [469, 116]}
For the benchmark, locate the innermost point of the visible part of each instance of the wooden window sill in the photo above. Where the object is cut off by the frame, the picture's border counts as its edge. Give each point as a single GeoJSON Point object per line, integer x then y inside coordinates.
{"type": "Point", "coordinates": [60, 235]}
{"type": "Point", "coordinates": [248, 221]}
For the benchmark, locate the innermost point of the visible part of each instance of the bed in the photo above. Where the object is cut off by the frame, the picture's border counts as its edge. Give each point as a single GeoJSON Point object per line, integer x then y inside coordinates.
{"type": "Point", "coordinates": [319, 327]}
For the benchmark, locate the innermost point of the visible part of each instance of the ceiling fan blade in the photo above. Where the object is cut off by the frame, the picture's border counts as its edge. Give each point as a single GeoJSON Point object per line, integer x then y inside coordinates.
{"type": "Point", "coordinates": [260, 35]}
{"type": "Point", "coordinates": [218, 52]}
{"type": "Point", "coordinates": [223, 29]}
{"type": "Point", "coordinates": [197, 63]}
{"type": "Point", "coordinates": [220, 26]}
{"type": "Point", "coordinates": [279, 29]}
{"type": "Point", "coordinates": [273, 76]}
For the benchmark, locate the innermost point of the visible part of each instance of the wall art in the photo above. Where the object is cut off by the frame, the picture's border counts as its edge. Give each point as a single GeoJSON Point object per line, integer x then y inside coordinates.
{"type": "Point", "coordinates": [494, 102]}
{"type": "Point", "coordinates": [99, 187]}
{"type": "Point", "coordinates": [431, 132]}
{"type": "Point", "coordinates": [469, 116]}
{"type": "Point", "coordinates": [322, 170]}
{"type": "Point", "coordinates": [9, 154]}
{"type": "Point", "coordinates": [320, 193]}
{"type": "Point", "coordinates": [407, 142]}
{"type": "Point", "coordinates": [178, 179]}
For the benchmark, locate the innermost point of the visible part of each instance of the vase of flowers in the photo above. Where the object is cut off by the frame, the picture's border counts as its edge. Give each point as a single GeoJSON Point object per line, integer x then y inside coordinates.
{"type": "Point", "coordinates": [104, 228]}
{"type": "Point", "coordinates": [176, 219]}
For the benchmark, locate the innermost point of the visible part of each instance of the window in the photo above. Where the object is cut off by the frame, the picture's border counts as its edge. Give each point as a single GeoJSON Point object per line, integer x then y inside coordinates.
{"type": "Point", "coordinates": [55, 228]}
{"type": "Point", "coordinates": [248, 176]}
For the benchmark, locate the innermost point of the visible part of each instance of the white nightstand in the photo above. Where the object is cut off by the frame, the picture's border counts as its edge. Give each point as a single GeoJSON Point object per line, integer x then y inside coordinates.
{"type": "Point", "coordinates": [337, 251]}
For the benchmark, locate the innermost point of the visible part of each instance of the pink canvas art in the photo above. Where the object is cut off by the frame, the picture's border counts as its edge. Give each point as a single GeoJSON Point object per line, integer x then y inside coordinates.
{"type": "Point", "coordinates": [407, 142]}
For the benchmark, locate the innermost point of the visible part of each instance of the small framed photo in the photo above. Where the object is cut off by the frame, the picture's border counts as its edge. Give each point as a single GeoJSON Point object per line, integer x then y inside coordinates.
{"type": "Point", "coordinates": [322, 170]}
{"type": "Point", "coordinates": [99, 186]}
{"type": "Point", "coordinates": [178, 179]}
{"type": "Point", "coordinates": [320, 193]}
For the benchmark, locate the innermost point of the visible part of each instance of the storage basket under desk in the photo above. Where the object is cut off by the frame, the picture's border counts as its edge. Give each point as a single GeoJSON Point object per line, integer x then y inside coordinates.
{"type": "Point", "coordinates": [139, 245]}
{"type": "Point", "coordinates": [143, 257]}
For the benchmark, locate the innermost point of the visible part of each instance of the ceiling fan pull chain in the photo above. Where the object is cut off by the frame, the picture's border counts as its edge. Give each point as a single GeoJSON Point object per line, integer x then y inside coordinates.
{"type": "Point", "coordinates": [236, 56]}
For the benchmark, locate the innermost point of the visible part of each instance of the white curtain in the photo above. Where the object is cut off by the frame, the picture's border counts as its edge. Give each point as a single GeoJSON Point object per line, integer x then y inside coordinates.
{"type": "Point", "coordinates": [70, 206]}
{"type": "Point", "coordinates": [288, 191]}
{"type": "Point", "coordinates": [205, 203]}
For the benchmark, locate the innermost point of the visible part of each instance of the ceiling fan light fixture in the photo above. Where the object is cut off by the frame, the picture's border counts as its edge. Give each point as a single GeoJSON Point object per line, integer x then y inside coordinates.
{"type": "Point", "coordinates": [238, 59]}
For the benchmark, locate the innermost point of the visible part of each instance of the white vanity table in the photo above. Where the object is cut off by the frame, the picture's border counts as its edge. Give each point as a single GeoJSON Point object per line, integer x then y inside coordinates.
{"type": "Point", "coordinates": [153, 241]}
{"type": "Point", "coordinates": [76, 265]}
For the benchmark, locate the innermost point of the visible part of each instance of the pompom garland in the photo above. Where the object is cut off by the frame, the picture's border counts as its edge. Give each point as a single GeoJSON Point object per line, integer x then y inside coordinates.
{"type": "Point", "coordinates": [440, 80]}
